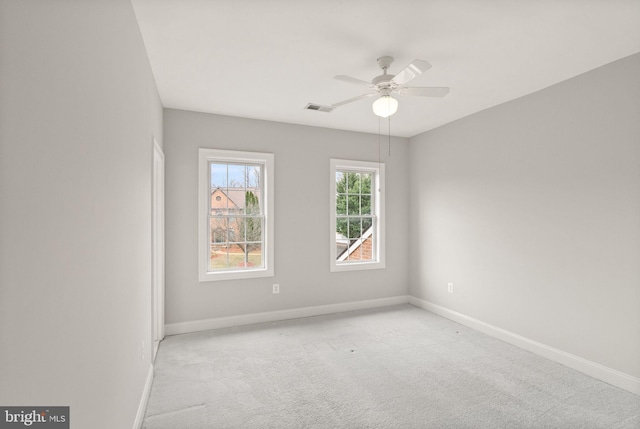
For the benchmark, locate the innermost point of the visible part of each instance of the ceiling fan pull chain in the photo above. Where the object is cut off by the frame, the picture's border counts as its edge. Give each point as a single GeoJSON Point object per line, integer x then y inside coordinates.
{"type": "Point", "coordinates": [379, 143]}
{"type": "Point", "coordinates": [389, 136]}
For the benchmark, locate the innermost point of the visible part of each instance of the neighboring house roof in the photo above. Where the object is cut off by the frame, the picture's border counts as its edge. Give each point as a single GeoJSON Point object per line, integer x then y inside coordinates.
{"type": "Point", "coordinates": [356, 244]}
{"type": "Point", "coordinates": [236, 196]}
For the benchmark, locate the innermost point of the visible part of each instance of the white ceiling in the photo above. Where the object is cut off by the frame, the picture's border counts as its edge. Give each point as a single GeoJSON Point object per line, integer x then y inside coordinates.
{"type": "Point", "coordinates": [268, 59]}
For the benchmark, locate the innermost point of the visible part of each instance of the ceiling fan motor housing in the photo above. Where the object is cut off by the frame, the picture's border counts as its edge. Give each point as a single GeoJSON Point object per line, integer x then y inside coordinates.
{"type": "Point", "coordinates": [383, 79]}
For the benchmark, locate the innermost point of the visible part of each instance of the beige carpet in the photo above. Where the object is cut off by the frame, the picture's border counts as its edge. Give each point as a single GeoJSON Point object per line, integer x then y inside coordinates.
{"type": "Point", "coordinates": [396, 367]}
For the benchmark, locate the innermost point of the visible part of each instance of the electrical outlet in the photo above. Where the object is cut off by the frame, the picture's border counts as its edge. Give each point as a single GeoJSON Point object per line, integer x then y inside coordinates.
{"type": "Point", "coordinates": [142, 350]}
{"type": "Point", "coordinates": [276, 288]}
{"type": "Point", "coordinates": [450, 287]}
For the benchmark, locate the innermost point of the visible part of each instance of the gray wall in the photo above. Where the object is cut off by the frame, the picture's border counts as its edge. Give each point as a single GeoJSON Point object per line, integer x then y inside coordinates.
{"type": "Point", "coordinates": [532, 210]}
{"type": "Point", "coordinates": [302, 218]}
{"type": "Point", "coordinates": [77, 114]}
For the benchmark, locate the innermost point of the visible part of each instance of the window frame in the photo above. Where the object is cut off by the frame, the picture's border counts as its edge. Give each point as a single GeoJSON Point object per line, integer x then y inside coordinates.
{"type": "Point", "coordinates": [378, 188]}
{"type": "Point", "coordinates": [266, 160]}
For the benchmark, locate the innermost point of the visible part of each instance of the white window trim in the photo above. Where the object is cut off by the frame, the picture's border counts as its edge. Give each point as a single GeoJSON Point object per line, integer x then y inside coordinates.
{"type": "Point", "coordinates": [267, 161]}
{"type": "Point", "coordinates": [379, 194]}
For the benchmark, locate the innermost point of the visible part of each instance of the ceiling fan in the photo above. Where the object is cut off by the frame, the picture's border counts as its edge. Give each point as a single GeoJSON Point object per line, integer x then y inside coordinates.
{"type": "Point", "coordinates": [385, 85]}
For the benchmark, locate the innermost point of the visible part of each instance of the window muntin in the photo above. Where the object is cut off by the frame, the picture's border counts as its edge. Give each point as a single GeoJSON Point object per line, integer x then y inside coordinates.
{"type": "Point", "coordinates": [236, 215]}
{"type": "Point", "coordinates": [357, 215]}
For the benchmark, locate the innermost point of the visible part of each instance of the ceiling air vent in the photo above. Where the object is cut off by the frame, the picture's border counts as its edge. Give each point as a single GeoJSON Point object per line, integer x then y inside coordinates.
{"type": "Point", "coordinates": [319, 107]}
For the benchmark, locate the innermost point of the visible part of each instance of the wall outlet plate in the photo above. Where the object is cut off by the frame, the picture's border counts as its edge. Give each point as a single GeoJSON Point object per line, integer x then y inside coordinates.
{"type": "Point", "coordinates": [276, 288]}
{"type": "Point", "coordinates": [450, 287]}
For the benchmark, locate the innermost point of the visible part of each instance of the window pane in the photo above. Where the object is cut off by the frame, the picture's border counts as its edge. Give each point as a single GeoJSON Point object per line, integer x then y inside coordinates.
{"type": "Point", "coordinates": [365, 204]}
{"type": "Point", "coordinates": [342, 227]}
{"type": "Point", "coordinates": [340, 182]}
{"type": "Point", "coordinates": [218, 175]}
{"type": "Point", "coordinates": [341, 204]}
{"type": "Point", "coordinates": [219, 246]}
{"type": "Point", "coordinates": [355, 227]}
{"type": "Point", "coordinates": [353, 202]}
{"type": "Point", "coordinates": [355, 251]}
{"type": "Point", "coordinates": [366, 223]}
{"type": "Point", "coordinates": [251, 202]}
{"type": "Point", "coordinates": [366, 249]}
{"type": "Point", "coordinates": [342, 242]}
{"type": "Point", "coordinates": [366, 183]}
{"type": "Point", "coordinates": [219, 258]}
{"type": "Point", "coordinates": [252, 258]}
{"type": "Point", "coordinates": [353, 180]}
{"type": "Point", "coordinates": [253, 177]}
{"type": "Point", "coordinates": [236, 176]}
{"type": "Point", "coordinates": [253, 229]}
{"type": "Point", "coordinates": [342, 234]}
{"type": "Point", "coordinates": [219, 230]}
{"type": "Point", "coordinates": [236, 231]}
{"type": "Point", "coordinates": [252, 197]}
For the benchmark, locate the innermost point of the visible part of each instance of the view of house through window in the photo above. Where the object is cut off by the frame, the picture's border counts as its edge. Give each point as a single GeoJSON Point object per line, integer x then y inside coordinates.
{"type": "Point", "coordinates": [235, 220]}
{"type": "Point", "coordinates": [236, 217]}
{"type": "Point", "coordinates": [354, 218]}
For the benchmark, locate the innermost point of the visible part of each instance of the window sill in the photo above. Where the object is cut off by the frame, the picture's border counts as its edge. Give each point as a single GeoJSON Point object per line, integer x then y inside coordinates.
{"type": "Point", "coordinates": [235, 275]}
{"type": "Point", "coordinates": [357, 266]}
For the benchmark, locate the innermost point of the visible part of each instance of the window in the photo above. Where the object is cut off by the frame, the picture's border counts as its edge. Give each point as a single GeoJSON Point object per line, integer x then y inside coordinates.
{"type": "Point", "coordinates": [235, 215]}
{"type": "Point", "coordinates": [356, 207]}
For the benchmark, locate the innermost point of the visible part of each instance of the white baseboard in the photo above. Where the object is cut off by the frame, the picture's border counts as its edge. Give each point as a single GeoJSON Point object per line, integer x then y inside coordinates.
{"type": "Point", "coordinates": [272, 316]}
{"type": "Point", "coordinates": [137, 424]}
{"type": "Point", "coordinates": [595, 370]}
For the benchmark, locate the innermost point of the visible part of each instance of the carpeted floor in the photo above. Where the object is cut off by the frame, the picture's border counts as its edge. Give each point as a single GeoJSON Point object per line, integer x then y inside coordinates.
{"type": "Point", "coordinates": [395, 367]}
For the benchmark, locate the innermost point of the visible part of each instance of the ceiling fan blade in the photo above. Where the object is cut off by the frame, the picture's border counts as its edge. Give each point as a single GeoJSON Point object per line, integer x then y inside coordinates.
{"type": "Point", "coordinates": [351, 100]}
{"type": "Point", "coordinates": [417, 67]}
{"type": "Point", "coordinates": [353, 80]}
{"type": "Point", "coordinates": [433, 91]}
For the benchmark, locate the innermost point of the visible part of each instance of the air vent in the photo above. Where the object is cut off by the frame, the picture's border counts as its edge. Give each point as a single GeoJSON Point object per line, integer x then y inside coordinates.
{"type": "Point", "coordinates": [319, 107]}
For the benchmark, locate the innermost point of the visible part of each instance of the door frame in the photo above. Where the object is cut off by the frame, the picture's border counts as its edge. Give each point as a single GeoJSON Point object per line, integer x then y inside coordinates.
{"type": "Point", "coordinates": [157, 294]}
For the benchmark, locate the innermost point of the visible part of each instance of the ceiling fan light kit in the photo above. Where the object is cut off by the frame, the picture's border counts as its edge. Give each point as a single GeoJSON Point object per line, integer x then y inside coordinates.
{"type": "Point", "coordinates": [385, 106]}
{"type": "Point", "coordinates": [386, 84]}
